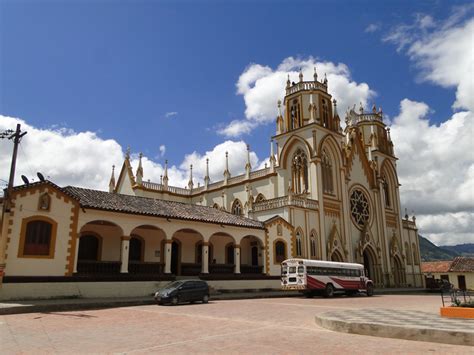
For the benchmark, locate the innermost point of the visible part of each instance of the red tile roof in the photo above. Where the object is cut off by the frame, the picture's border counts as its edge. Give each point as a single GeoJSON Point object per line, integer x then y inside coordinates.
{"type": "Point", "coordinates": [435, 266]}
{"type": "Point", "coordinates": [458, 264]}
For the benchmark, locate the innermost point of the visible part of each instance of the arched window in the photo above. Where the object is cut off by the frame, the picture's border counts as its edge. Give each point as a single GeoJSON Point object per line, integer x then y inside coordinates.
{"type": "Point", "coordinates": [295, 117]}
{"type": "Point", "coordinates": [408, 253]}
{"type": "Point", "coordinates": [260, 198]}
{"type": "Point", "coordinates": [89, 246]}
{"type": "Point", "coordinates": [386, 191]}
{"type": "Point", "coordinates": [37, 238]}
{"type": "Point", "coordinates": [299, 169]}
{"type": "Point", "coordinates": [136, 247]}
{"type": "Point", "coordinates": [312, 241]}
{"type": "Point", "coordinates": [325, 114]}
{"type": "Point", "coordinates": [416, 260]}
{"type": "Point", "coordinates": [326, 167]}
{"type": "Point", "coordinates": [280, 251]}
{"type": "Point", "coordinates": [299, 244]}
{"type": "Point", "coordinates": [237, 208]}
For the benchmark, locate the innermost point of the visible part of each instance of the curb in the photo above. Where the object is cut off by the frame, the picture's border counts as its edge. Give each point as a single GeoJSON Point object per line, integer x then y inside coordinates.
{"type": "Point", "coordinates": [397, 332]}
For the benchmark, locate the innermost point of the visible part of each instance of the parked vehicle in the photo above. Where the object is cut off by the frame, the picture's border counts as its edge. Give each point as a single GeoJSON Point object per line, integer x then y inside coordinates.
{"type": "Point", "coordinates": [183, 291]}
{"type": "Point", "coordinates": [326, 277]}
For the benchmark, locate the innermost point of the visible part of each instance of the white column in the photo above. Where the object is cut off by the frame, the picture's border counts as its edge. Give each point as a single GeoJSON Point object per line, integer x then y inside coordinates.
{"type": "Point", "coordinates": [322, 226]}
{"type": "Point", "coordinates": [237, 259]}
{"type": "Point", "coordinates": [167, 251]}
{"type": "Point", "coordinates": [76, 254]}
{"type": "Point", "coordinates": [124, 254]}
{"type": "Point", "coordinates": [205, 258]}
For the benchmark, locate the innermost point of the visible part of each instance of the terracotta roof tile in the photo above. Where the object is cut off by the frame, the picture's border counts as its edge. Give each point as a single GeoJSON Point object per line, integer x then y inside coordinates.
{"type": "Point", "coordinates": [435, 266]}
{"type": "Point", "coordinates": [462, 264]}
{"type": "Point", "coordinates": [155, 207]}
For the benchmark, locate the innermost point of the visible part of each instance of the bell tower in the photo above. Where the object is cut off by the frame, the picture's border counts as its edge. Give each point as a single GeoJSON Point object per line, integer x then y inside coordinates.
{"type": "Point", "coordinates": [308, 102]}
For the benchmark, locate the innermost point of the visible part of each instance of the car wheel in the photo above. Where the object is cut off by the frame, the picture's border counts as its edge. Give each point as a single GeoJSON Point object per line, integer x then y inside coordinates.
{"type": "Point", "coordinates": [205, 299]}
{"type": "Point", "coordinates": [174, 301]}
{"type": "Point", "coordinates": [329, 291]}
{"type": "Point", "coordinates": [370, 290]}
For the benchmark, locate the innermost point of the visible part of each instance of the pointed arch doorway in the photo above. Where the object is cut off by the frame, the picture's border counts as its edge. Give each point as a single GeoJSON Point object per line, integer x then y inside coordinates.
{"type": "Point", "coordinates": [369, 264]}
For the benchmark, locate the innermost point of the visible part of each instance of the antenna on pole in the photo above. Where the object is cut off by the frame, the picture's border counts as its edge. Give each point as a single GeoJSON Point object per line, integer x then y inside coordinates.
{"type": "Point", "coordinates": [16, 136]}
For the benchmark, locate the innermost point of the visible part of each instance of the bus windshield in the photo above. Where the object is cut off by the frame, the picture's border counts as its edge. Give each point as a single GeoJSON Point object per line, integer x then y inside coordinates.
{"type": "Point", "coordinates": [292, 270]}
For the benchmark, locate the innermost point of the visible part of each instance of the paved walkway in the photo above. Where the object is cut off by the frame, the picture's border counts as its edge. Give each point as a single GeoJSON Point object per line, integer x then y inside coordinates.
{"type": "Point", "coordinates": [400, 324]}
{"type": "Point", "coordinates": [72, 304]}
{"type": "Point", "coordinates": [250, 326]}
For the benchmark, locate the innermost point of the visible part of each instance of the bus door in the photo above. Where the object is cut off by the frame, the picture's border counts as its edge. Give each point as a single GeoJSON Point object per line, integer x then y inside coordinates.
{"type": "Point", "coordinates": [292, 275]}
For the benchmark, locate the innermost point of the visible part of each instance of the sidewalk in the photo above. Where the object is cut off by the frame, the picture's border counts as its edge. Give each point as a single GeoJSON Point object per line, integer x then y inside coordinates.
{"type": "Point", "coordinates": [69, 304]}
{"type": "Point", "coordinates": [400, 324]}
{"type": "Point", "coordinates": [73, 304]}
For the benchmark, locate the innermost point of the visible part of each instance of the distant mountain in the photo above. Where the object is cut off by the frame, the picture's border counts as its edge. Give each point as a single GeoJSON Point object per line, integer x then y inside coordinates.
{"type": "Point", "coordinates": [462, 249]}
{"type": "Point", "coordinates": [431, 252]}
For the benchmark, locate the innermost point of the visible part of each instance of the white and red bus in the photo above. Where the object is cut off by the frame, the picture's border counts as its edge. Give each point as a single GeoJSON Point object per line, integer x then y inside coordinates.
{"type": "Point", "coordinates": [326, 277]}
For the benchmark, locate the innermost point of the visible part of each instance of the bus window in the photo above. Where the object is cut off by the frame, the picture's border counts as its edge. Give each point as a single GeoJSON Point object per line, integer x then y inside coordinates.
{"type": "Point", "coordinates": [284, 270]}
{"type": "Point", "coordinates": [292, 270]}
{"type": "Point", "coordinates": [300, 269]}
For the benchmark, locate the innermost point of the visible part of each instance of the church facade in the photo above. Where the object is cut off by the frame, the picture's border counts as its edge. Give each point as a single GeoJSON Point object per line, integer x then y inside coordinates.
{"type": "Point", "coordinates": [326, 194]}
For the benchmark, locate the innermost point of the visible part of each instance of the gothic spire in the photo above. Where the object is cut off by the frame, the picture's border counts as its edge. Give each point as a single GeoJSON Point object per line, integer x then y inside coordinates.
{"type": "Point", "coordinates": [206, 178]}
{"type": "Point", "coordinates": [139, 170]}
{"type": "Point", "coordinates": [112, 180]}
{"type": "Point", "coordinates": [248, 167]}
{"type": "Point", "coordinates": [190, 182]}
{"type": "Point", "coordinates": [226, 171]}
{"type": "Point", "coordinates": [165, 175]}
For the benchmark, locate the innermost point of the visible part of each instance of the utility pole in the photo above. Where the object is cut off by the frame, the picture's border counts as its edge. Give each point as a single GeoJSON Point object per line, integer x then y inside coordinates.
{"type": "Point", "coordinates": [16, 136]}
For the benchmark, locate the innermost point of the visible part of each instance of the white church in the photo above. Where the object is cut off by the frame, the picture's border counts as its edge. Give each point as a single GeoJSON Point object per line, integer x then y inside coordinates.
{"type": "Point", "coordinates": [326, 194]}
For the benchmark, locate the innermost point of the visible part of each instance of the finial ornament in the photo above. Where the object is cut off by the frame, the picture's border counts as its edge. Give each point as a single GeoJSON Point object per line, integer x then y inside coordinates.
{"type": "Point", "coordinates": [325, 79]}
{"type": "Point", "coordinates": [127, 153]}
{"type": "Point", "coordinates": [301, 75]}
{"type": "Point", "coordinates": [374, 108]}
{"type": "Point", "coordinates": [315, 75]}
{"type": "Point", "coordinates": [112, 180]}
{"type": "Point", "coordinates": [361, 108]}
{"type": "Point", "coordinates": [288, 82]}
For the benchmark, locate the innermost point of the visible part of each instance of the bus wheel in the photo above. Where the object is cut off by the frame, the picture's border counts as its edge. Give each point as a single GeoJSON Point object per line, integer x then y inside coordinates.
{"type": "Point", "coordinates": [370, 290]}
{"type": "Point", "coordinates": [329, 291]}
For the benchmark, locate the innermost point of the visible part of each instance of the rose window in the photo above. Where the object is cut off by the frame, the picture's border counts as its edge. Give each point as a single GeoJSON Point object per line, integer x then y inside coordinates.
{"type": "Point", "coordinates": [359, 208]}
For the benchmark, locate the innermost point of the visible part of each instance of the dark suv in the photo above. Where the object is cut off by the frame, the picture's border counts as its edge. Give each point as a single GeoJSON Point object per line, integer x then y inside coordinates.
{"type": "Point", "coordinates": [183, 291]}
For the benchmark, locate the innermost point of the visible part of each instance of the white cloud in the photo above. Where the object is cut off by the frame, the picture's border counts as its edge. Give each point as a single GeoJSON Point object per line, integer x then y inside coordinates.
{"type": "Point", "coordinates": [67, 157]}
{"type": "Point", "coordinates": [84, 159]}
{"type": "Point", "coordinates": [171, 114]}
{"type": "Point", "coordinates": [262, 86]}
{"type": "Point", "coordinates": [373, 27]}
{"type": "Point", "coordinates": [443, 51]}
{"type": "Point", "coordinates": [436, 166]}
{"type": "Point", "coordinates": [162, 150]}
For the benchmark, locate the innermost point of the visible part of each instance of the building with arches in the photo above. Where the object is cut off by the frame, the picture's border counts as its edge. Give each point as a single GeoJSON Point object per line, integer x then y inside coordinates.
{"type": "Point", "coordinates": [328, 193]}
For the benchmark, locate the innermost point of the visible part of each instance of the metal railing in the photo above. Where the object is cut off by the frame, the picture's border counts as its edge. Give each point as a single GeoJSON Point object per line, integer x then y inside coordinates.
{"type": "Point", "coordinates": [457, 298]}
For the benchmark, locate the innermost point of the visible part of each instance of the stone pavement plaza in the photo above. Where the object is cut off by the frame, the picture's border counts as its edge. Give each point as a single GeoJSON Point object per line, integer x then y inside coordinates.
{"type": "Point", "coordinates": [252, 326]}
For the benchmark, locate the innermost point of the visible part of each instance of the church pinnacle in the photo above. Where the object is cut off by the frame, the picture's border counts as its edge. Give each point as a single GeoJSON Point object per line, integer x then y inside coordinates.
{"type": "Point", "coordinates": [112, 180]}
{"type": "Point", "coordinates": [139, 170]}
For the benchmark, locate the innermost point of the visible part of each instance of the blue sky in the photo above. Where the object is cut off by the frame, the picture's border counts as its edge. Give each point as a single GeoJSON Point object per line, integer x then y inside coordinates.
{"type": "Point", "coordinates": [186, 80]}
{"type": "Point", "coordinates": [119, 66]}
